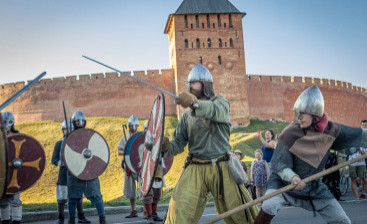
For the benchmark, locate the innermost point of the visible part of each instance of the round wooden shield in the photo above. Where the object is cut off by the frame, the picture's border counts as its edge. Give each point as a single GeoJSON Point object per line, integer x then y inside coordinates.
{"type": "Point", "coordinates": [86, 154]}
{"type": "Point", "coordinates": [26, 162]}
{"type": "Point", "coordinates": [134, 151]}
{"type": "Point", "coordinates": [3, 159]}
{"type": "Point", "coordinates": [131, 151]}
{"type": "Point", "coordinates": [154, 136]}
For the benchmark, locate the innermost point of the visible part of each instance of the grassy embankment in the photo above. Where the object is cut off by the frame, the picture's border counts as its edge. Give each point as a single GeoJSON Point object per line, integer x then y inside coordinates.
{"type": "Point", "coordinates": [42, 195]}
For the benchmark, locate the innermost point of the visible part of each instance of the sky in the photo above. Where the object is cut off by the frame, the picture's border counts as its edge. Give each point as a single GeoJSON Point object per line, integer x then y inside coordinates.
{"type": "Point", "coordinates": [313, 38]}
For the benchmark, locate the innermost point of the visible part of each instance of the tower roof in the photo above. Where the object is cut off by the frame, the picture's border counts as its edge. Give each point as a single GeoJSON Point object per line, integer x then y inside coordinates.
{"type": "Point", "coordinates": [206, 6]}
{"type": "Point", "coordinates": [203, 7]}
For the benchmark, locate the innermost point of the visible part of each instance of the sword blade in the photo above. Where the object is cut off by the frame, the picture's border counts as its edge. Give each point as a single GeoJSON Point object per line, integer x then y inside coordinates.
{"type": "Point", "coordinates": [17, 94]}
{"type": "Point", "coordinates": [116, 70]}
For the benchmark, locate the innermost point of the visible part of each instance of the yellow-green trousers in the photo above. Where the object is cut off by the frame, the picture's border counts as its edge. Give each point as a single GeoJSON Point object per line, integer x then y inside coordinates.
{"type": "Point", "coordinates": [190, 194]}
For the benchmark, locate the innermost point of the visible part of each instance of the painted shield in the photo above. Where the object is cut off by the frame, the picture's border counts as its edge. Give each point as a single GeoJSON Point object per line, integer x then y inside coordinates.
{"type": "Point", "coordinates": [86, 154]}
{"type": "Point", "coordinates": [3, 159]}
{"type": "Point", "coordinates": [153, 137]}
{"type": "Point", "coordinates": [134, 150]}
{"type": "Point", "coordinates": [26, 162]}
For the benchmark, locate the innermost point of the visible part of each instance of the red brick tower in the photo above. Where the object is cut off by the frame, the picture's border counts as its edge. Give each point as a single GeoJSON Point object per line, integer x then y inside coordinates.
{"type": "Point", "coordinates": [211, 31]}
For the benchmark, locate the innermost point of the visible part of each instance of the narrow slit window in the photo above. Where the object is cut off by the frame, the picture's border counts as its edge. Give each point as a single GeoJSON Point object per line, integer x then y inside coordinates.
{"type": "Point", "coordinates": [219, 60]}
{"type": "Point", "coordinates": [186, 43]}
{"type": "Point", "coordinates": [209, 42]}
{"type": "Point", "coordinates": [197, 21]}
{"type": "Point", "coordinates": [185, 21]}
{"type": "Point", "coordinates": [207, 21]}
{"type": "Point", "coordinates": [197, 43]}
{"type": "Point", "coordinates": [220, 43]}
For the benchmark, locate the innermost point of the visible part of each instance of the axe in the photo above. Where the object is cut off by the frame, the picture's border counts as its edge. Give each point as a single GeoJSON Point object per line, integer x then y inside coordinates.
{"type": "Point", "coordinates": [284, 189]}
{"type": "Point", "coordinates": [194, 105]}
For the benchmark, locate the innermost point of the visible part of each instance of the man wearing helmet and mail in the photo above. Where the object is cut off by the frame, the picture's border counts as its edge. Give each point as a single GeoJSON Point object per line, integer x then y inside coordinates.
{"type": "Point", "coordinates": [61, 184]}
{"type": "Point", "coordinates": [302, 150]}
{"type": "Point", "coordinates": [77, 187]}
{"type": "Point", "coordinates": [205, 127]}
{"type": "Point", "coordinates": [10, 205]}
{"type": "Point", "coordinates": [129, 178]}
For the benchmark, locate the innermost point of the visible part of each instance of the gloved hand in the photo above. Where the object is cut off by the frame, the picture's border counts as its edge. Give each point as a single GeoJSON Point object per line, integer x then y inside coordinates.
{"type": "Point", "coordinates": [186, 99]}
{"type": "Point", "coordinates": [165, 144]}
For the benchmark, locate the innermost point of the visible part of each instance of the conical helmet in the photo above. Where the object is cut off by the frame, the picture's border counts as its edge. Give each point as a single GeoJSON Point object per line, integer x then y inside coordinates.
{"type": "Point", "coordinates": [133, 121]}
{"type": "Point", "coordinates": [79, 116]}
{"type": "Point", "coordinates": [201, 74]}
{"type": "Point", "coordinates": [8, 119]}
{"type": "Point", "coordinates": [310, 101]}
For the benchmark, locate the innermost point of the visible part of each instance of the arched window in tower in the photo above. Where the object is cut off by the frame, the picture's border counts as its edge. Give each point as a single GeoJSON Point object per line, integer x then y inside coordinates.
{"type": "Point", "coordinates": [230, 21]}
{"type": "Point", "coordinates": [209, 42]}
{"type": "Point", "coordinates": [197, 21]}
{"type": "Point", "coordinates": [225, 25]}
{"type": "Point", "coordinates": [191, 26]}
{"type": "Point", "coordinates": [202, 25]}
{"type": "Point", "coordinates": [186, 43]}
{"type": "Point", "coordinates": [230, 42]}
{"type": "Point", "coordinates": [220, 43]}
{"type": "Point", "coordinates": [207, 21]}
{"type": "Point", "coordinates": [219, 60]}
{"type": "Point", "coordinates": [218, 20]}
{"type": "Point", "coordinates": [197, 43]}
{"type": "Point", "coordinates": [185, 21]}
{"type": "Point", "coordinates": [200, 60]}
{"type": "Point", "coordinates": [213, 25]}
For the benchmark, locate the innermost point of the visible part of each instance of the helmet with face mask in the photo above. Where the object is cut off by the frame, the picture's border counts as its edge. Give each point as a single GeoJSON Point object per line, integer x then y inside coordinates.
{"type": "Point", "coordinates": [78, 116]}
{"type": "Point", "coordinates": [8, 120]}
{"type": "Point", "coordinates": [133, 121]}
{"type": "Point", "coordinates": [310, 101]}
{"type": "Point", "coordinates": [201, 74]}
{"type": "Point", "coordinates": [67, 125]}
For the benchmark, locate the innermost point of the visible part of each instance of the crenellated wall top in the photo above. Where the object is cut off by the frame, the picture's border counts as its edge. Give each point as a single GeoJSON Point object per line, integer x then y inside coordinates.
{"type": "Point", "coordinates": [306, 81]}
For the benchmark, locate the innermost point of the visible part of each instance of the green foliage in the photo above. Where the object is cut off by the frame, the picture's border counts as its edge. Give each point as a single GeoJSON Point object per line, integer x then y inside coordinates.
{"type": "Point", "coordinates": [42, 196]}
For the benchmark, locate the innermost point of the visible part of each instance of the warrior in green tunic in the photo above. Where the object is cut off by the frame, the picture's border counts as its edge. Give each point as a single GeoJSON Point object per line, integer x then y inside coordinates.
{"type": "Point", "coordinates": [205, 127]}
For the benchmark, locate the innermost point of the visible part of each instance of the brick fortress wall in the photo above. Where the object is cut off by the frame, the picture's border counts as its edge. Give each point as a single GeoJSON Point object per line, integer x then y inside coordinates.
{"type": "Point", "coordinates": [96, 95]}
{"type": "Point", "coordinates": [273, 97]}
{"type": "Point", "coordinates": [269, 97]}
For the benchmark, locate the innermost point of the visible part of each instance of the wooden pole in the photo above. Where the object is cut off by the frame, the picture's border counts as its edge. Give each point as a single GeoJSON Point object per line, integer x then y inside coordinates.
{"type": "Point", "coordinates": [283, 189]}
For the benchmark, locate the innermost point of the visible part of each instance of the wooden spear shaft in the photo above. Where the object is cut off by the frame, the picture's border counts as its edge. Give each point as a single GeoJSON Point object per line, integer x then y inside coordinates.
{"type": "Point", "coordinates": [283, 189]}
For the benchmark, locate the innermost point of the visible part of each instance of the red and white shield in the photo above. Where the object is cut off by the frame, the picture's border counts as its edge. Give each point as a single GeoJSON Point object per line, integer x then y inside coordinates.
{"type": "Point", "coordinates": [154, 136]}
{"type": "Point", "coordinates": [3, 159]}
{"type": "Point", "coordinates": [86, 154]}
{"type": "Point", "coordinates": [134, 150]}
{"type": "Point", "coordinates": [26, 162]}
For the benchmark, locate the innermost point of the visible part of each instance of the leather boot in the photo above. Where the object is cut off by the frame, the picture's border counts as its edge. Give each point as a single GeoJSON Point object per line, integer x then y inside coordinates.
{"type": "Point", "coordinates": [60, 209]}
{"type": "Point", "coordinates": [81, 217]}
{"type": "Point", "coordinates": [102, 220]}
{"type": "Point", "coordinates": [71, 221]}
{"type": "Point", "coordinates": [5, 221]}
{"type": "Point", "coordinates": [155, 214]}
{"type": "Point", "coordinates": [263, 218]}
{"type": "Point", "coordinates": [16, 222]}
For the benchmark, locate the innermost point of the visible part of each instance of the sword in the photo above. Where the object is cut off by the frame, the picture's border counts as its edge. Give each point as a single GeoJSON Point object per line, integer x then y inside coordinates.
{"type": "Point", "coordinates": [284, 189]}
{"type": "Point", "coordinates": [195, 105]}
{"type": "Point", "coordinates": [12, 98]}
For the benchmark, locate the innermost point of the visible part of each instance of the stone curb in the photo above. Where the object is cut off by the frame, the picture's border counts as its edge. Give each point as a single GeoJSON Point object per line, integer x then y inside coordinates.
{"type": "Point", "coordinates": [52, 215]}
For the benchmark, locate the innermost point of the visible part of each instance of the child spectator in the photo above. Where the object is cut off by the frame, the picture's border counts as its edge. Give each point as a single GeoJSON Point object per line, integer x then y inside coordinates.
{"type": "Point", "coordinates": [259, 173]}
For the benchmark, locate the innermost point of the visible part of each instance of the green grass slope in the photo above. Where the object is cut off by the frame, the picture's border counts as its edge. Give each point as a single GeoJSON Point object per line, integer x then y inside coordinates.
{"type": "Point", "coordinates": [42, 196]}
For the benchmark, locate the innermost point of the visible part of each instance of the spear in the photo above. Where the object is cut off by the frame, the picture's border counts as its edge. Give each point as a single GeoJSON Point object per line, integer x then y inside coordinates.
{"type": "Point", "coordinates": [283, 190]}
